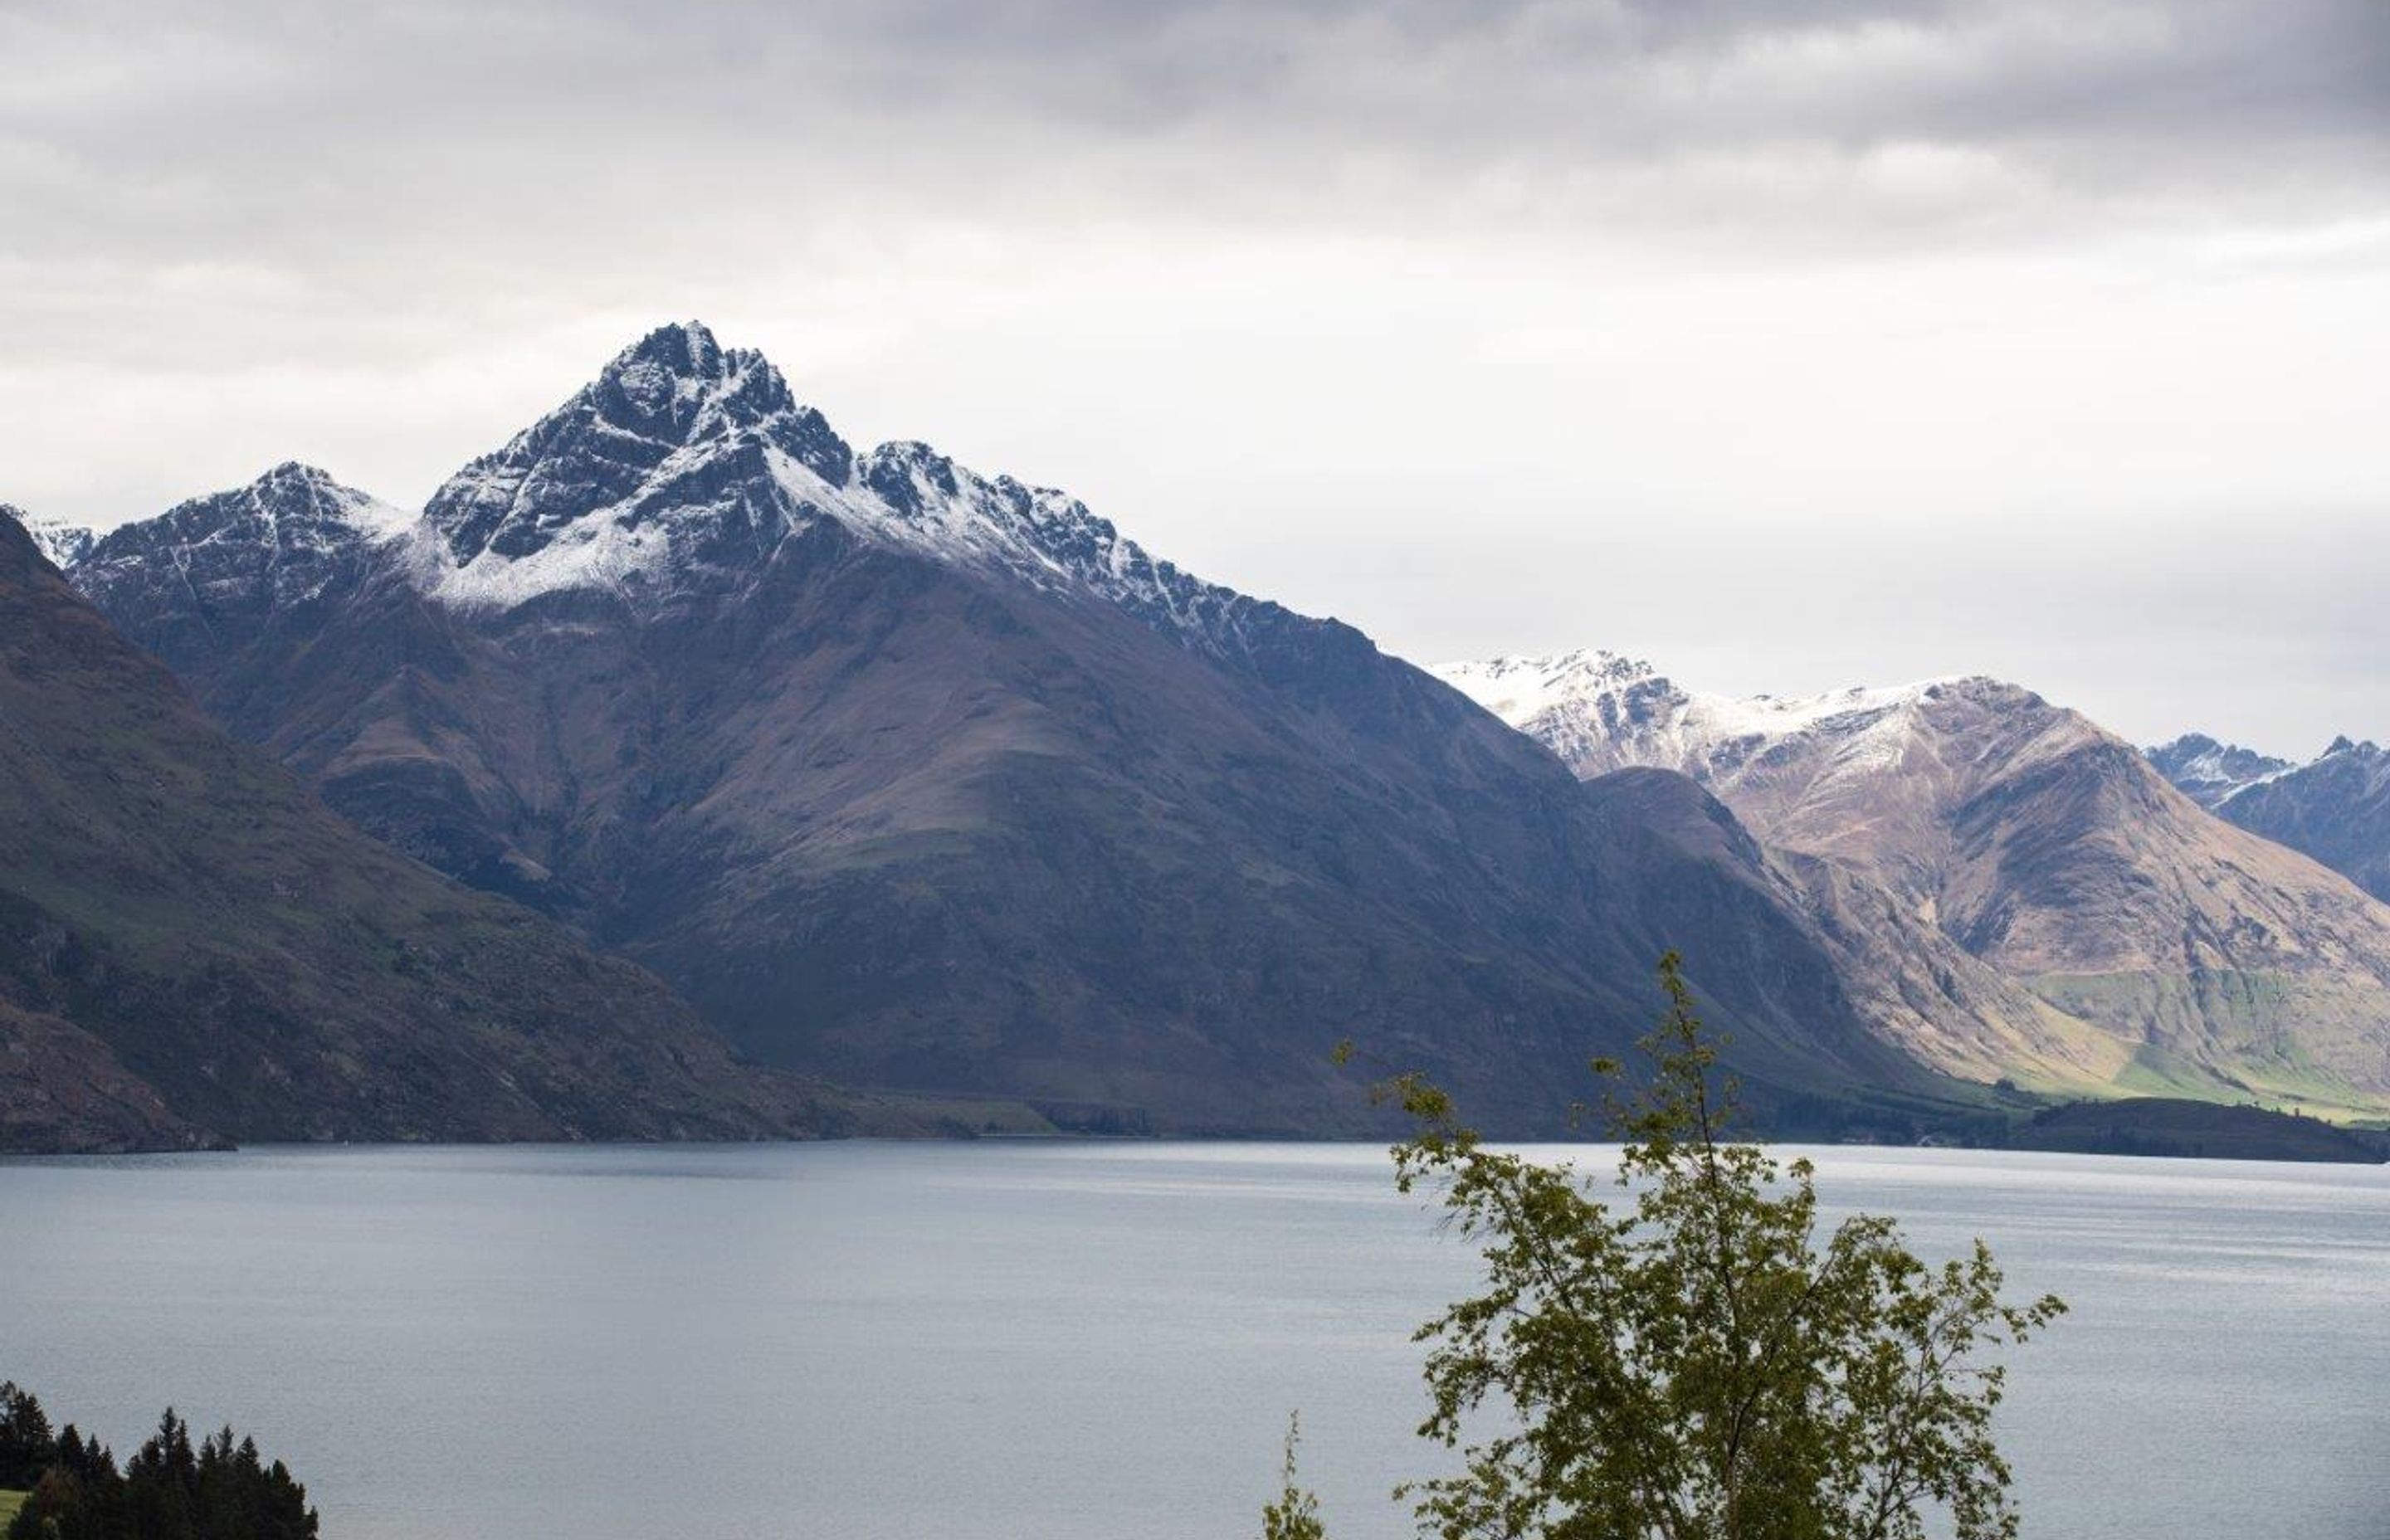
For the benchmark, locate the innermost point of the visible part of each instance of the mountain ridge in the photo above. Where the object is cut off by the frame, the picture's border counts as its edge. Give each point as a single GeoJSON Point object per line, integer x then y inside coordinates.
{"type": "Point", "coordinates": [2043, 845]}
{"type": "Point", "coordinates": [934, 782]}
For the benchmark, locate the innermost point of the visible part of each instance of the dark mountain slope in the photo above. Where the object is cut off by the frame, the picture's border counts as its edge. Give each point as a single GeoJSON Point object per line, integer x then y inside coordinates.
{"type": "Point", "coordinates": [192, 946]}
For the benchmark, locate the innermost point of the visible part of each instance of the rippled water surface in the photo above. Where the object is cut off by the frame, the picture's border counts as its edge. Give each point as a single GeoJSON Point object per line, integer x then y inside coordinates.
{"type": "Point", "coordinates": [870, 1341]}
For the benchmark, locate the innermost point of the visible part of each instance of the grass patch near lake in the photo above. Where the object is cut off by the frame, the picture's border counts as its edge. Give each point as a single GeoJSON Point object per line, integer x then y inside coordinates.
{"type": "Point", "coordinates": [10, 1503]}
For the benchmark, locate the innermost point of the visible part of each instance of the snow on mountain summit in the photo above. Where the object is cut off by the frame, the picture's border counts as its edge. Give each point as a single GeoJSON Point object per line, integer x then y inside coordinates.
{"type": "Point", "coordinates": [684, 456]}
{"type": "Point", "coordinates": [63, 543]}
{"type": "Point", "coordinates": [2335, 807]}
{"type": "Point", "coordinates": [227, 563]}
{"type": "Point", "coordinates": [1520, 688]}
{"type": "Point", "coordinates": [2209, 773]}
{"type": "Point", "coordinates": [292, 516]}
{"type": "Point", "coordinates": [622, 450]}
{"type": "Point", "coordinates": [1601, 712]}
{"type": "Point", "coordinates": [677, 472]}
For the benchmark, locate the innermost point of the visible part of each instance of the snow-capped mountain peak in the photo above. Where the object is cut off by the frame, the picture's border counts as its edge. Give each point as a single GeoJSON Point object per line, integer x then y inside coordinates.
{"type": "Point", "coordinates": [684, 456]}
{"type": "Point", "coordinates": [2208, 772]}
{"type": "Point", "coordinates": [291, 508]}
{"type": "Point", "coordinates": [284, 540]}
{"type": "Point", "coordinates": [63, 543]}
{"type": "Point", "coordinates": [296, 496]}
{"type": "Point", "coordinates": [2334, 807]}
{"type": "Point", "coordinates": [2211, 772]}
{"type": "Point", "coordinates": [666, 426]}
{"type": "Point", "coordinates": [676, 474]}
{"type": "Point", "coordinates": [1518, 688]}
{"type": "Point", "coordinates": [1599, 710]}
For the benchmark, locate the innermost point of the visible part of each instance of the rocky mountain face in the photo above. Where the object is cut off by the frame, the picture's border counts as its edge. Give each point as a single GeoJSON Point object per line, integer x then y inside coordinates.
{"type": "Point", "coordinates": [925, 780]}
{"type": "Point", "coordinates": [1919, 988]}
{"type": "Point", "coordinates": [2335, 807]}
{"type": "Point", "coordinates": [2208, 772]}
{"type": "Point", "coordinates": [192, 948]}
{"type": "Point", "coordinates": [2045, 847]}
{"type": "Point", "coordinates": [215, 572]}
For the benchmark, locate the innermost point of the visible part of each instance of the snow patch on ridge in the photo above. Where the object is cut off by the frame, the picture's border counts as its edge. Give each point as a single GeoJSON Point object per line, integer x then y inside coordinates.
{"type": "Point", "coordinates": [599, 554]}
{"type": "Point", "coordinates": [1519, 689]}
{"type": "Point", "coordinates": [1599, 710]}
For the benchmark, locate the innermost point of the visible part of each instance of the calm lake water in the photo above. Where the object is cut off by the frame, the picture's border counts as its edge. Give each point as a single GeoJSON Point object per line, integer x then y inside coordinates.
{"type": "Point", "coordinates": [874, 1342]}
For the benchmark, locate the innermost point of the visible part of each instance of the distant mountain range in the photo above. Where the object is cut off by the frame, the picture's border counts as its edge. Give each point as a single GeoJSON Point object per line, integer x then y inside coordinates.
{"type": "Point", "coordinates": [2334, 807]}
{"type": "Point", "coordinates": [931, 782]}
{"type": "Point", "coordinates": [2205, 958]}
{"type": "Point", "coordinates": [921, 779]}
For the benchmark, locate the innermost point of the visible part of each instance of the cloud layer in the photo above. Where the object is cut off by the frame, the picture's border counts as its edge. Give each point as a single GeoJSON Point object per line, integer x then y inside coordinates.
{"type": "Point", "coordinates": [1791, 343]}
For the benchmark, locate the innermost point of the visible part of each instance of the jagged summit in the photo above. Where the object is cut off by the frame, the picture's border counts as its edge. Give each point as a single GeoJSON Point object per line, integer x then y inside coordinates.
{"type": "Point", "coordinates": [2213, 773]}
{"type": "Point", "coordinates": [686, 349]}
{"type": "Point", "coordinates": [2209, 772]}
{"type": "Point", "coordinates": [677, 472]}
{"type": "Point", "coordinates": [674, 422]}
{"type": "Point", "coordinates": [684, 461]}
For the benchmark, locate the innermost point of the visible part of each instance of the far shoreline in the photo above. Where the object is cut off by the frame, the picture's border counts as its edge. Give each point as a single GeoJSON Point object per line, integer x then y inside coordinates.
{"type": "Point", "coordinates": [2109, 1130]}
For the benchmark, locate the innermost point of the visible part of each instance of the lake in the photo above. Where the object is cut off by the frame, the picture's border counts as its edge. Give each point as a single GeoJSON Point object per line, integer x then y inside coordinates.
{"type": "Point", "coordinates": [1079, 1340]}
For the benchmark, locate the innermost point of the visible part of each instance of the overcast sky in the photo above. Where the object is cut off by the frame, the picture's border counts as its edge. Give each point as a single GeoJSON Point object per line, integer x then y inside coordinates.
{"type": "Point", "coordinates": [1790, 344]}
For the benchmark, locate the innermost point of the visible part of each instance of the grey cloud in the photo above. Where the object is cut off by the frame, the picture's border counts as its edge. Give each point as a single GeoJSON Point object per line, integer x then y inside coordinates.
{"type": "Point", "coordinates": [324, 168]}
{"type": "Point", "coordinates": [1525, 292]}
{"type": "Point", "coordinates": [263, 116]}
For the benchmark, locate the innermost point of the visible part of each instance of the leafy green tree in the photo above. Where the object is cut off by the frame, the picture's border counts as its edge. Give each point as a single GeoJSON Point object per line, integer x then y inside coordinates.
{"type": "Point", "coordinates": [1698, 1362]}
{"type": "Point", "coordinates": [1296, 1515]}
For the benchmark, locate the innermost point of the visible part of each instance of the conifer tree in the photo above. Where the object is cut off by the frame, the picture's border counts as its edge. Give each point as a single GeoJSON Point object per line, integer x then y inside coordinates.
{"type": "Point", "coordinates": [26, 1444]}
